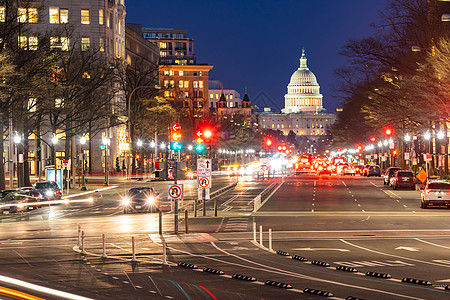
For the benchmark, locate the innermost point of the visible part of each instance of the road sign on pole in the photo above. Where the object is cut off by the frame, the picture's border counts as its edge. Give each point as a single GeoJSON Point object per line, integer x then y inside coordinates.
{"type": "Point", "coordinates": [175, 191]}
{"type": "Point", "coordinates": [204, 182]}
{"type": "Point", "coordinates": [204, 167]}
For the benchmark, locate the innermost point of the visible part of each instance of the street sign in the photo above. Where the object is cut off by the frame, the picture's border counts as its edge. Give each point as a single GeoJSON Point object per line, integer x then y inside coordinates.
{"type": "Point", "coordinates": [427, 157]}
{"type": "Point", "coordinates": [175, 191]}
{"type": "Point", "coordinates": [204, 182]}
{"type": "Point", "coordinates": [422, 176]}
{"type": "Point", "coordinates": [204, 166]}
{"type": "Point", "coordinates": [406, 155]}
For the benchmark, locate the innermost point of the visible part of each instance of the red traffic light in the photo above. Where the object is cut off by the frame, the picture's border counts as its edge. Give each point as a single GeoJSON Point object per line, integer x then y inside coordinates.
{"type": "Point", "coordinates": [268, 142]}
{"type": "Point", "coordinates": [138, 156]}
{"type": "Point", "coordinates": [373, 139]}
{"type": "Point", "coordinates": [176, 127]}
{"type": "Point", "coordinates": [206, 134]}
{"type": "Point", "coordinates": [394, 152]}
{"type": "Point", "coordinates": [359, 147]}
{"type": "Point", "coordinates": [388, 131]}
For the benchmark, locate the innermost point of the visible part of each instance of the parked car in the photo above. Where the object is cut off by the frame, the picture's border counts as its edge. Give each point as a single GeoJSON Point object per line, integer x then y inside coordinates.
{"type": "Point", "coordinates": [388, 174]}
{"type": "Point", "coordinates": [374, 171]}
{"type": "Point", "coordinates": [19, 200]}
{"type": "Point", "coordinates": [436, 193]}
{"type": "Point", "coordinates": [140, 199]}
{"type": "Point", "coordinates": [49, 190]}
{"type": "Point", "coordinates": [403, 178]}
{"type": "Point", "coordinates": [4, 193]}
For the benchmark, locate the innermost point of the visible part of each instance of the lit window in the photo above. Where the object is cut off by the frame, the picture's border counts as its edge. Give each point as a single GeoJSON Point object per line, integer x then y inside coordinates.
{"type": "Point", "coordinates": [171, 72]}
{"type": "Point", "coordinates": [166, 94]}
{"type": "Point", "coordinates": [2, 14]}
{"type": "Point", "coordinates": [180, 84]}
{"type": "Point", "coordinates": [273, 125]}
{"type": "Point", "coordinates": [53, 13]}
{"type": "Point", "coordinates": [23, 42]}
{"type": "Point", "coordinates": [186, 94]}
{"type": "Point", "coordinates": [264, 126]}
{"type": "Point", "coordinates": [100, 16]}
{"type": "Point", "coordinates": [65, 44]}
{"type": "Point", "coordinates": [85, 43]}
{"type": "Point", "coordinates": [166, 83]}
{"type": "Point", "coordinates": [85, 16]}
{"type": "Point", "coordinates": [195, 84]}
{"type": "Point", "coordinates": [231, 95]}
{"type": "Point", "coordinates": [54, 42]}
{"type": "Point", "coordinates": [186, 84]}
{"type": "Point", "coordinates": [226, 96]}
{"type": "Point", "coordinates": [166, 72]}
{"type": "Point", "coordinates": [33, 43]}
{"type": "Point", "coordinates": [200, 84]}
{"type": "Point", "coordinates": [21, 15]}
{"type": "Point", "coordinates": [180, 73]}
{"type": "Point", "coordinates": [102, 44]}
{"type": "Point", "coordinates": [200, 73]}
{"type": "Point", "coordinates": [211, 96]}
{"type": "Point", "coordinates": [64, 15]}
{"type": "Point", "coordinates": [172, 83]}
{"type": "Point", "coordinates": [217, 96]}
{"type": "Point", "coordinates": [163, 45]}
{"type": "Point", "coordinates": [231, 103]}
{"type": "Point", "coordinates": [32, 15]}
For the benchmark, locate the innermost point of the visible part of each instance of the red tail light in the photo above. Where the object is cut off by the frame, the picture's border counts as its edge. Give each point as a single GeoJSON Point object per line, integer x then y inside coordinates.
{"type": "Point", "coordinates": [427, 192]}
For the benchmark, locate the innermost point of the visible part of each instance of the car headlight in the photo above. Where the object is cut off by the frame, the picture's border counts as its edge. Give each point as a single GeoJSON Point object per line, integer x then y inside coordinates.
{"type": "Point", "coordinates": [151, 200]}
{"type": "Point", "coordinates": [126, 201]}
{"type": "Point", "coordinates": [49, 193]}
{"type": "Point", "coordinates": [20, 205]}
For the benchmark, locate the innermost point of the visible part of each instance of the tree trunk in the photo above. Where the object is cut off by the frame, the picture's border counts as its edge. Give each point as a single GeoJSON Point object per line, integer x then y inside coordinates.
{"type": "Point", "coordinates": [90, 148]}
{"type": "Point", "coordinates": [26, 166]}
{"type": "Point", "coordinates": [2, 165]}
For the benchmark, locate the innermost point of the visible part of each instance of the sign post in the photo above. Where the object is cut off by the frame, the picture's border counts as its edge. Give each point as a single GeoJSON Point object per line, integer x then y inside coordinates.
{"type": "Point", "coordinates": [428, 157]}
{"type": "Point", "coordinates": [175, 192]}
{"type": "Point", "coordinates": [204, 167]}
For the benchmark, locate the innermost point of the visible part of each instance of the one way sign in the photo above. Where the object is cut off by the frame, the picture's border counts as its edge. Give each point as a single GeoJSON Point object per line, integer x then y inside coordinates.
{"type": "Point", "coordinates": [203, 167]}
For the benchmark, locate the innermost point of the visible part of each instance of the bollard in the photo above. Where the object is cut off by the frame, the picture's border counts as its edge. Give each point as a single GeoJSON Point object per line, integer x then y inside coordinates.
{"type": "Point", "coordinates": [160, 222]}
{"type": "Point", "coordinates": [79, 232]}
{"type": "Point", "coordinates": [260, 235]}
{"type": "Point", "coordinates": [215, 207]}
{"type": "Point", "coordinates": [164, 253]}
{"type": "Point", "coordinates": [270, 239]}
{"type": "Point", "coordinates": [204, 201]}
{"type": "Point", "coordinates": [104, 247]}
{"type": "Point", "coordinates": [254, 232]}
{"type": "Point", "coordinates": [82, 243]}
{"type": "Point", "coordinates": [186, 219]}
{"type": "Point", "coordinates": [195, 208]}
{"type": "Point", "coordinates": [133, 258]}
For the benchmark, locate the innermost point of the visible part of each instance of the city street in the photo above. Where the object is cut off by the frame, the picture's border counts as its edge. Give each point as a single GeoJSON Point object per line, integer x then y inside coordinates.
{"type": "Point", "coordinates": [354, 222]}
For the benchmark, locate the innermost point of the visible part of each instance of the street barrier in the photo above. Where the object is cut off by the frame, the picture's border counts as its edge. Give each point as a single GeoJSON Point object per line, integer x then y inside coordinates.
{"type": "Point", "coordinates": [278, 284]}
{"type": "Point", "coordinates": [416, 281]}
{"type": "Point", "coordinates": [379, 275]}
{"type": "Point", "coordinates": [283, 253]}
{"type": "Point", "coordinates": [258, 200]}
{"type": "Point", "coordinates": [320, 263]}
{"type": "Point", "coordinates": [133, 258]}
{"type": "Point", "coordinates": [243, 277]}
{"type": "Point", "coordinates": [317, 292]}
{"type": "Point", "coordinates": [186, 265]}
{"type": "Point", "coordinates": [270, 239]}
{"type": "Point", "coordinates": [254, 232]}
{"type": "Point", "coordinates": [300, 258]}
{"type": "Point", "coordinates": [260, 235]}
{"type": "Point", "coordinates": [347, 269]}
{"type": "Point", "coordinates": [164, 253]}
{"type": "Point", "coordinates": [213, 271]}
{"type": "Point", "coordinates": [82, 243]}
{"type": "Point", "coordinates": [104, 246]}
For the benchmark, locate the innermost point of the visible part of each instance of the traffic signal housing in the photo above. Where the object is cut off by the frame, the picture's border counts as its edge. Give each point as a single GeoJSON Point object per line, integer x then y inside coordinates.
{"type": "Point", "coordinates": [388, 131]}
{"type": "Point", "coordinates": [175, 137]}
{"type": "Point", "coordinates": [117, 164]}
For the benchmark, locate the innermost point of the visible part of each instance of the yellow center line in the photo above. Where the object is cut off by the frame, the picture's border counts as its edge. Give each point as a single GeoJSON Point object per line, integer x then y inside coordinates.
{"type": "Point", "coordinates": [17, 294]}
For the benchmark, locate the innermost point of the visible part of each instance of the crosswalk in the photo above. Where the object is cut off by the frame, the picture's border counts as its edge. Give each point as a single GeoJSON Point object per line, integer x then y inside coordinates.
{"type": "Point", "coordinates": [236, 224]}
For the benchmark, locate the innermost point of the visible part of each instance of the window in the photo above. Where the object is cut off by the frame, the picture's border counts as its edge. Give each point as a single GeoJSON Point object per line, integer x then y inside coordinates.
{"type": "Point", "coordinates": [166, 83]}
{"type": "Point", "coordinates": [54, 42]}
{"type": "Point", "coordinates": [230, 104]}
{"type": "Point", "coordinates": [186, 84]}
{"type": "Point", "coordinates": [166, 73]}
{"type": "Point", "coordinates": [172, 83]}
{"type": "Point", "coordinates": [23, 42]}
{"type": "Point", "coordinates": [100, 16]}
{"type": "Point", "coordinates": [21, 15]}
{"type": "Point", "coordinates": [171, 73]}
{"type": "Point", "coordinates": [217, 96]}
{"type": "Point", "coordinates": [59, 103]}
{"type": "Point", "coordinates": [200, 84]}
{"type": "Point", "coordinates": [33, 42]}
{"type": "Point", "coordinates": [2, 14]}
{"type": "Point", "coordinates": [163, 45]}
{"type": "Point", "coordinates": [65, 44]}
{"type": "Point", "coordinates": [85, 16]}
{"type": "Point", "coordinates": [64, 15]}
{"type": "Point", "coordinates": [231, 95]}
{"type": "Point", "coordinates": [102, 44]}
{"type": "Point", "coordinates": [195, 84]}
{"type": "Point", "coordinates": [53, 13]}
{"type": "Point", "coordinates": [85, 43]}
{"type": "Point", "coordinates": [166, 94]}
{"type": "Point", "coordinates": [200, 73]}
{"type": "Point", "coordinates": [180, 84]}
{"type": "Point", "coordinates": [186, 94]}
{"type": "Point", "coordinates": [32, 15]}
{"type": "Point", "coordinates": [180, 73]}
{"type": "Point", "coordinates": [211, 96]}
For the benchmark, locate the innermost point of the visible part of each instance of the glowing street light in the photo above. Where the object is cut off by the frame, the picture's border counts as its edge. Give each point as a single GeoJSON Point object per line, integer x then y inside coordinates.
{"type": "Point", "coordinates": [139, 143]}
{"type": "Point", "coordinates": [440, 135]}
{"type": "Point", "coordinates": [427, 136]}
{"type": "Point", "coordinates": [407, 137]}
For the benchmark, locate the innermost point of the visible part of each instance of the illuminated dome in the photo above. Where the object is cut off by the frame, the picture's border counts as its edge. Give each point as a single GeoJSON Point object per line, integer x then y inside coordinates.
{"type": "Point", "coordinates": [303, 91]}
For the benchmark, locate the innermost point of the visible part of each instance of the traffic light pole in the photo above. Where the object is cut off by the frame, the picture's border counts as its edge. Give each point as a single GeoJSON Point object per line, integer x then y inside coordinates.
{"type": "Point", "coordinates": [175, 177]}
{"type": "Point", "coordinates": [83, 170]}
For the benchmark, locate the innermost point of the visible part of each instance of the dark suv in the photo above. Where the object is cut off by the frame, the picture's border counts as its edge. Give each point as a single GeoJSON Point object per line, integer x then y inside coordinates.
{"type": "Point", "coordinates": [49, 190]}
{"type": "Point", "coordinates": [140, 199]}
{"type": "Point", "coordinates": [374, 171]}
{"type": "Point", "coordinates": [403, 178]}
{"type": "Point", "coordinates": [19, 200]}
{"type": "Point", "coordinates": [389, 173]}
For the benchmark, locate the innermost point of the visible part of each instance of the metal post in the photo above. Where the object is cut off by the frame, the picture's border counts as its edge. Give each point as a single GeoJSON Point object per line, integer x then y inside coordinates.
{"type": "Point", "coordinates": [204, 202]}
{"type": "Point", "coordinates": [186, 221]}
{"type": "Point", "coordinates": [254, 232]}
{"type": "Point", "coordinates": [215, 207]}
{"type": "Point", "coordinates": [82, 243]}
{"type": "Point", "coordinates": [270, 239]}
{"type": "Point", "coordinates": [83, 171]}
{"type": "Point", "coordinates": [160, 222]}
{"type": "Point", "coordinates": [133, 258]}
{"type": "Point", "coordinates": [195, 207]}
{"type": "Point", "coordinates": [11, 155]}
{"type": "Point", "coordinates": [175, 215]}
{"type": "Point", "coordinates": [104, 247]}
{"type": "Point", "coordinates": [260, 235]}
{"type": "Point", "coordinates": [106, 163]}
{"type": "Point", "coordinates": [79, 233]}
{"type": "Point", "coordinates": [164, 253]}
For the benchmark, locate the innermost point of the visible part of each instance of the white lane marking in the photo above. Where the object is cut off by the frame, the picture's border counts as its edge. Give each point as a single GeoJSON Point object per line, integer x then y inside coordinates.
{"type": "Point", "coordinates": [411, 249]}
{"type": "Point", "coordinates": [392, 255]}
{"type": "Point", "coordinates": [433, 244]}
{"type": "Point", "coordinates": [220, 225]}
{"type": "Point", "coordinates": [373, 184]}
{"type": "Point", "coordinates": [344, 183]}
{"type": "Point", "coordinates": [275, 270]}
{"type": "Point", "coordinates": [392, 194]}
{"type": "Point", "coordinates": [363, 211]}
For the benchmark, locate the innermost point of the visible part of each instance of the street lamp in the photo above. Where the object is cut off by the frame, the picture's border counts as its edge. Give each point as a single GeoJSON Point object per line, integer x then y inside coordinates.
{"type": "Point", "coordinates": [54, 142]}
{"type": "Point", "coordinates": [17, 140]}
{"type": "Point", "coordinates": [440, 135]}
{"type": "Point", "coordinates": [83, 170]}
{"type": "Point", "coordinates": [106, 142]}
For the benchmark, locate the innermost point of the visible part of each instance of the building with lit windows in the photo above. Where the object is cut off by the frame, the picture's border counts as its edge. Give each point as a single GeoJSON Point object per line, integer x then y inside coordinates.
{"type": "Point", "coordinates": [303, 112]}
{"type": "Point", "coordinates": [174, 46]}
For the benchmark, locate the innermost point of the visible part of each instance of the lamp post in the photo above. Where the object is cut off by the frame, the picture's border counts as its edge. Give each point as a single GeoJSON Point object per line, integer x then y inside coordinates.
{"type": "Point", "coordinates": [83, 170]}
{"type": "Point", "coordinates": [141, 157]}
{"type": "Point", "coordinates": [106, 142]}
{"type": "Point", "coordinates": [17, 140]}
{"type": "Point", "coordinates": [54, 142]}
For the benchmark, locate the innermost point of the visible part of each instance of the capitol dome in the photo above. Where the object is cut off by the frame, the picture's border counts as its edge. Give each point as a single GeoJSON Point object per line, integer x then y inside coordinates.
{"type": "Point", "coordinates": [303, 90]}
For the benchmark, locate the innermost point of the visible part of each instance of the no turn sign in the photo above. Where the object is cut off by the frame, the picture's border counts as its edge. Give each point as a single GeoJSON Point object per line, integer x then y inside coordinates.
{"type": "Point", "coordinates": [175, 191]}
{"type": "Point", "coordinates": [204, 182]}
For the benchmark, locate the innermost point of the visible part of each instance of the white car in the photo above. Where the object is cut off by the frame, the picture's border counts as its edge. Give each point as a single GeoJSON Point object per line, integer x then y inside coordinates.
{"type": "Point", "coordinates": [436, 193]}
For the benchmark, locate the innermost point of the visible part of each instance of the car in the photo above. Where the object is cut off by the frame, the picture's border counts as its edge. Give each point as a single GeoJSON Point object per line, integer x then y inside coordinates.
{"type": "Point", "coordinates": [49, 190]}
{"type": "Point", "coordinates": [374, 171]}
{"type": "Point", "coordinates": [365, 171]}
{"type": "Point", "coordinates": [436, 193]}
{"type": "Point", "coordinates": [4, 193]}
{"type": "Point", "coordinates": [359, 169]}
{"type": "Point", "coordinates": [140, 199]}
{"type": "Point", "coordinates": [403, 178]}
{"type": "Point", "coordinates": [349, 170]}
{"type": "Point", "coordinates": [388, 174]}
{"type": "Point", "coordinates": [19, 200]}
{"type": "Point", "coordinates": [324, 169]}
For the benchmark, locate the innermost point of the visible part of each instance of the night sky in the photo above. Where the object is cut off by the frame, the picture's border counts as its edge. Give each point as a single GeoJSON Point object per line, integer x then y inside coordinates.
{"type": "Point", "coordinates": [258, 43]}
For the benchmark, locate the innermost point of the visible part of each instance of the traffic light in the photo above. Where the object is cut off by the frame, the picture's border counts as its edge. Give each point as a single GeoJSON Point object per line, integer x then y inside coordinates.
{"type": "Point", "coordinates": [138, 156]}
{"type": "Point", "coordinates": [176, 136]}
{"type": "Point", "coordinates": [394, 152]}
{"type": "Point", "coordinates": [205, 134]}
{"type": "Point", "coordinates": [373, 139]}
{"type": "Point", "coordinates": [388, 131]}
{"type": "Point", "coordinates": [199, 149]}
{"type": "Point", "coordinates": [117, 164]}
{"type": "Point", "coordinates": [268, 142]}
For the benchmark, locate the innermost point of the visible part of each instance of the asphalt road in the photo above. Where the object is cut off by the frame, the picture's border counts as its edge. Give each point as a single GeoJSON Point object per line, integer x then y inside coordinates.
{"type": "Point", "coordinates": [355, 222]}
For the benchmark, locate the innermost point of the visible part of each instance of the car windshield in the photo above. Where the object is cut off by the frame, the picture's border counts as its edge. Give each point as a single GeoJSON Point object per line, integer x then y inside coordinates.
{"type": "Point", "coordinates": [393, 170]}
{"type": "Point", "coordinates": [439, 186]}
{"type": "Point", "coordinates": [43, 185]}
{"type": "Point", "coordinates": [405, 174]}
{"type": "Point", "coordinates": [13, 197]}
{"type": "Point", "coordinates": [374, 167]}
{"type": "Point", "coordinates": [139, 192]}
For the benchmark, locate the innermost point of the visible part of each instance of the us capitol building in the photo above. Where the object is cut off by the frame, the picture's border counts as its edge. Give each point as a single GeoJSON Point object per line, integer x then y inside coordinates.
{"type": "Point", "coordinates": [303, 112]}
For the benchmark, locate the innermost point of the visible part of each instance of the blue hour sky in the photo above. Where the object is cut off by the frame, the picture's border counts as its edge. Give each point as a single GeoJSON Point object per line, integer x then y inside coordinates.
{"type": "Point", "coordinates": [257, 44]}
